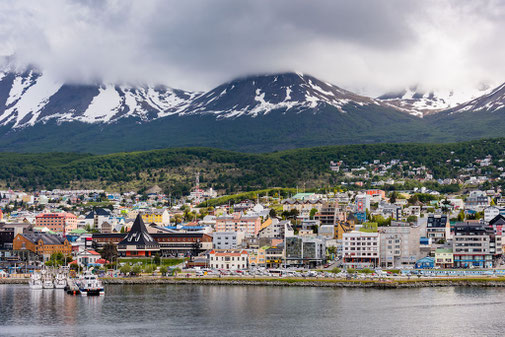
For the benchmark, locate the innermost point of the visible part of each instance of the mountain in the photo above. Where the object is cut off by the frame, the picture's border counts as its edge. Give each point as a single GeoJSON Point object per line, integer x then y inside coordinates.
{"type": "Point", "coordinates": [30, 97]}
{"type": "Point", "coordinates": [419, 102]}
{"type": "Point", "coordinates": [254, 114]}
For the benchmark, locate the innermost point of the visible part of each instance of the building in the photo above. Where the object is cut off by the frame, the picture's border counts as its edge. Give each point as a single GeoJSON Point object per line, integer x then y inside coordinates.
{"type": "Point", "coordinates": [273, 229]}
{"type": "Point", "coordinates": [274, 256]}
{"type": "Point", "coordinates": [399, 245]}
{"type": "Point", "coordinates": [42, 244]}
{"type": "Point", "coordinates": [229, 259]}
{"type": "Point", "coordinates": [87, 257]}
{"type": "Point", "coordinates": [138, 242]}
{"type": "Point", "coordinates": [305, 250]}
{"type": "Point", "coordinates": [227, 240]}
{"type": "Point", "coordinates": [57, 222]}
{"type": "Point", "coordinates": [257, 257]}
{"type": "Point", "coordinates": [361, 249]}
{"type": "Point", "coordinates": [159, 216]}
{"type": "Point", "coordinates": [425, 263]}
{"type": "Point", "coordinates": [438, 227]}
{"type": "Point", "coordinates": [237, 222]}
{"type": "Point", "coordinates": [474, 244]}
{"type": "Point", "coordinates": [490, 213]}
{"type": "Point", "coordinates": [330, 214]}
{"type": "Point", "coordinates": [444, 258]}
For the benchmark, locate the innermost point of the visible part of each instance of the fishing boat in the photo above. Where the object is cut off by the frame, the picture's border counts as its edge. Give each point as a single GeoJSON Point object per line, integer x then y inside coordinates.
{"type": "Point", "coordinates": [60, 281]}
{"type": "Point", "coordinates": [35, 281]}
{"type": "Point", "coordinates": [47, 280]}
{"type": "Point", "coordinates": [90, 285]}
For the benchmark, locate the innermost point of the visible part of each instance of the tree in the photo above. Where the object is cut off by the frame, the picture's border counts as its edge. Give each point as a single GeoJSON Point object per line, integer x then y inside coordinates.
{"type": "Point", "coordinates": [312, 213]}
{"type": "Point", "coordinates": [392, 197]}
{"type": "Point", "coordinates": [163, 270]}
{"type": "Point", "coordinates": [272, 213]}
{"type": "Point", "coordinates": [412, 218]}
{"type": "Point", "coordinates": [125, 269]}
{"type": "Point", "coordinates": [157, 259]}
{"type": "Point", "coordinates": [137, 269]}
{"type": "Point", "coordinates": [109, 252]}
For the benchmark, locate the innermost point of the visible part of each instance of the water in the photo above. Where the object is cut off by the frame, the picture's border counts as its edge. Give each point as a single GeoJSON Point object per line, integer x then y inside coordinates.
{"type": "Point", "coordinates": [182, 310]}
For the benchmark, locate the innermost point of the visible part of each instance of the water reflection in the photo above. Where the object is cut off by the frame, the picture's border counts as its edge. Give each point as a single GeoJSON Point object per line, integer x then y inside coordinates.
{"type": "Point", "coordinates": [177, 310]}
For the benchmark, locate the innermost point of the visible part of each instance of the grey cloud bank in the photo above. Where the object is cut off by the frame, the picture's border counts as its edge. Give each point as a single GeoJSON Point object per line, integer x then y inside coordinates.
{"type": "Point", "coordinates": [367, 46]}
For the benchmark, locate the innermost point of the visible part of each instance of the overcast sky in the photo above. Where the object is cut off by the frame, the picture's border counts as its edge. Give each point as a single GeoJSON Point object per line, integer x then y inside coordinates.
{"type": "Point", "coordinates": [367, 46]}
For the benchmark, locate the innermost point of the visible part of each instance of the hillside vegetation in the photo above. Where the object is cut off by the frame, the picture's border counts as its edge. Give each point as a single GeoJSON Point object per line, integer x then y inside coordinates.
{"type": "Point", "coordinates": [175, 169]}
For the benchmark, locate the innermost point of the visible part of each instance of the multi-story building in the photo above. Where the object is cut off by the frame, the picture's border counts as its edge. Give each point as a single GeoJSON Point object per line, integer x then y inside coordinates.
{"type": "Point", "coordinates": [444, 258]}
{"type": "Point", "coordinates": [159, 216]}
{"type": "Point", "coordinates": [330, 214]}
{"type": "Point", "coordinates": [305, 250]}
{"type": "Point", "coordinates": [475, 244]}
{"type": "Point", "coordinates": [57, 222]}
{"type": "Point", "coordinates": [257, 257]}
{"type": "Point", "coordinates": [250, 225]}
{"type": "Point", "coordinates": [399, 244]}
{"type": "Point", "coordinates": [361, 249]}
{"type": "Point", "coordinates": [229, 259]}
{"type": "Point", "coordinates": [42, 244]}
{"type": "Point", "coordinates": [227, 240]}
{"type": "Point", "coordinates": [438, 227]}
{"type": "Point", "coordinates": [273, 228]}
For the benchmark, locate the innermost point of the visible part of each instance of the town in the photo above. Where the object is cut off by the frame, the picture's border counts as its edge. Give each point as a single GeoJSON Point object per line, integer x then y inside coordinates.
{"type": "Point", "coordinates": [398, 227]}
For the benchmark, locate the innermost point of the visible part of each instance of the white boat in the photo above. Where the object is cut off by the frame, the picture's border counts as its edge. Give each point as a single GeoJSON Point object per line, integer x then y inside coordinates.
{"type": "Point", "coordinates": [90, 285]}
{"type": "Point", "coordinates": [47, 280]}
{"type": "Point", "coordinates": [60, 281]}
{"type": "Point", "coordinates": [35, 281]}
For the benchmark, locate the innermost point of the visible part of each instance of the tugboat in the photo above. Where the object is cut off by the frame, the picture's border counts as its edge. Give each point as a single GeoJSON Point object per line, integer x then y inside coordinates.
{"type": "Point", "coordinates": [47, 280]}
{"type": "Point", "coordinates": [60, 281]}
{"type": "Point", "coordinates": [35, 281]}
{"type": "Point", "coordinates": [90, 285]}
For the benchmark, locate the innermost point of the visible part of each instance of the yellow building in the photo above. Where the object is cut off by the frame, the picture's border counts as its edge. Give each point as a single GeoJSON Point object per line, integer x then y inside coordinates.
{"type": "Point", "coordinates": [257, 257]}
{"type": "Point", "coordinates": [158, 216]}
{"type": "Point", "coordinates": [444, 258]}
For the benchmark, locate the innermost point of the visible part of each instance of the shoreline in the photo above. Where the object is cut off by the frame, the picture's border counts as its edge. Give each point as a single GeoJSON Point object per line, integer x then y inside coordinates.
{"type": "Point", "coordinates": [298, 282]}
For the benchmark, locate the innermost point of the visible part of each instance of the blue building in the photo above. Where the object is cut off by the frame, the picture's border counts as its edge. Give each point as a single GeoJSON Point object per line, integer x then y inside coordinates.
{"type": "Point", "coordinates": [425, 263]}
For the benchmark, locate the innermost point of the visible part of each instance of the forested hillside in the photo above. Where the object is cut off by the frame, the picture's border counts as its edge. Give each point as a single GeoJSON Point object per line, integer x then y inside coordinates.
{"type": "Point", "coordinates": [175, 169]}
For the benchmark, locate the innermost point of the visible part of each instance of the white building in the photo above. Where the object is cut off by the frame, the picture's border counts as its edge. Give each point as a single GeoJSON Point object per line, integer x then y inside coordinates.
{"type": "Point", "coordinates": [399, 244]}
{"type": "Point", "coordinates": [227, 240]}
{"type": "Point", "coordinates": [360, 249]}
{"type": "Point", "coordinates": [490, 213]}
{"type": "Point", "coordinates": [228, 259]}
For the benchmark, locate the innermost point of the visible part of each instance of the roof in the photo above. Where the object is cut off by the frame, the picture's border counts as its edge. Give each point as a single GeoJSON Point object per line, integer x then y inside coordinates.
{"type": "Point", "coordinates": [98, 212]}
{"type": "Point", "coordinates": [54, 215]}
{"type": "Point", "coordinates": [443, 250]}
{"type": "Point", "coordinates": [48, 239]}
{"type": "Point", "coordinates": [228, 252]}
{"type": "Point", "coordinates": [138, 235]}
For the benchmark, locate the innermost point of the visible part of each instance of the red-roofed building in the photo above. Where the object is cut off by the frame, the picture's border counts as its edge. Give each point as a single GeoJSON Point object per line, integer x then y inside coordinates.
{"type": "Point", "coordinates": [229, 259]}
{"type": "Point", "coordinates": [57, 222]}
{"type": "Point", "coordinates": [88, 257]}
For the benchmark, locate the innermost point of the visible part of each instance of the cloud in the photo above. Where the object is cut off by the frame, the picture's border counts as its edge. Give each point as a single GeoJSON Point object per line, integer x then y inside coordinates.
{"type": "Point", "coordinates": [367, 46]}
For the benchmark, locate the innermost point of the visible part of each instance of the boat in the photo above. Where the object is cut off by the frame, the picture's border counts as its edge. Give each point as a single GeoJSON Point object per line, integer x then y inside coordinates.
{"type": "Point", "coordinates": [90, 285]}
{"type": "Point", "coordinates": [35, 281]}
{"type": "Point", "coordinates": [60, 281]}
{"type": "Point", "coordinates": [47, 280]}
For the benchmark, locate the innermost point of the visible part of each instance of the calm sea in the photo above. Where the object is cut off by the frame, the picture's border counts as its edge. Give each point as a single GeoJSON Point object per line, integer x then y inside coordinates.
{"type": "Point", "coordinates": [182, 310]}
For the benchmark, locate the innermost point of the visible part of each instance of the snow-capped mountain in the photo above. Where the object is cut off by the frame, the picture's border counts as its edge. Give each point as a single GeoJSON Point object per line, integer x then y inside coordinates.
{"type": "Point", "coordinates": [258, 95]}
{"type": "Point", "coordinates": [420, 102]}
{"type": "Point", "coordinates": [490, 102]}
{"type": "Point", "coordinates": [30, 97]}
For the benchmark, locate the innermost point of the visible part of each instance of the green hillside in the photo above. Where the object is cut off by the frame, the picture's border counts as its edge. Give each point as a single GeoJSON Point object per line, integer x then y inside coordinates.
{"type": "Point", "coordinates": [175, 169]}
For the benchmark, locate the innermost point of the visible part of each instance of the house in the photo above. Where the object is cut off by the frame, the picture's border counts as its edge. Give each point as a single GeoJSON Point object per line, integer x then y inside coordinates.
{"type": "Point", "coordinates": [87, 257]}
{"type": "Point", "coordinates": [257, 257]}
{"type": "Point", "coordinates": [490, 213]}
{"type": "Point", "coordinates": [425, 263]}
{"type": "Point", "coordinates": [229, 259]}
{"type": "Point", "coordinates": [138, 241]}
{"type": "Point", "coordinates": [444, 258]}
